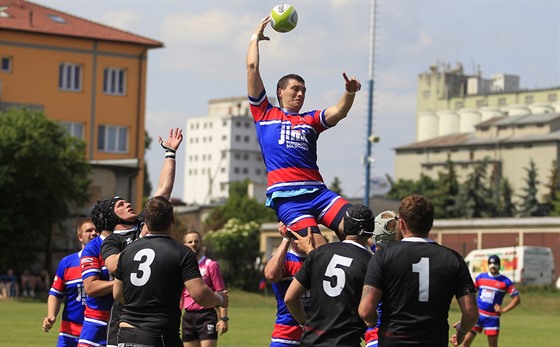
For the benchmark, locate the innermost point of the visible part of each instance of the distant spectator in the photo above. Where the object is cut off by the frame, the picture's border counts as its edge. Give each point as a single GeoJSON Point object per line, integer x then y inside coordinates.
{"type": "Point", "coordinates": [28, 283]}
{"type": "Point", "coordinates": [9, 285]}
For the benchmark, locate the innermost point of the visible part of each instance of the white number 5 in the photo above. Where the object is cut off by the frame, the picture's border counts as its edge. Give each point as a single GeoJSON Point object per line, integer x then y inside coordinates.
{"type": "Point", "coordinates": [338, 273]}
{"type": "Point", "coordinates": [148, 256]}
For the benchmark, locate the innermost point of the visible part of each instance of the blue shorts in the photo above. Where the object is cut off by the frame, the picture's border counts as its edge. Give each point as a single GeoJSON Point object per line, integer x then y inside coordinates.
{"type": "Point", "coordinates": [94, 333]}
{"type": "Point", "coordinates": [67, 340]}
{"type": "Point", "coordinates": [490, 324]}
{"type": "Point", "coordinates": [302, 211]}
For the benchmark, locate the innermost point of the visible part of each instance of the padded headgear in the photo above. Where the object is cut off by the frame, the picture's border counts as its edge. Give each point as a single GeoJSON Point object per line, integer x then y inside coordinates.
{"type": "Point", "coordinates": [104, 217]}
{"type": "Point", "coordinates": [494, 259]}
{"type": "Point", "coordinates": [358, 220]}
{"type": "Point", "coordinates": [385, 229]}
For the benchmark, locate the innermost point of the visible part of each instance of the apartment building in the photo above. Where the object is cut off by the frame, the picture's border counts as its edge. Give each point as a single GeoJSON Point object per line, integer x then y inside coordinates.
{"type": "Point", "coordinates": [221, 148]}
{"type": "Point", "coordinates": [86, 75]}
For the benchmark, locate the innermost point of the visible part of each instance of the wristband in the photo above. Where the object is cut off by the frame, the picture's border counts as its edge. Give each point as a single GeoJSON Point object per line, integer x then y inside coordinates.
{"type": "Point", "coordinates": [170, 155]}
{"type": "Point", "coordinates": [286, 239]}
{"type": "Point", "coordinates": [254, 37]}
{"type": "Point", "coordinates": [167, 149]}
{"type": "Point", "coordinates": [350, 93]}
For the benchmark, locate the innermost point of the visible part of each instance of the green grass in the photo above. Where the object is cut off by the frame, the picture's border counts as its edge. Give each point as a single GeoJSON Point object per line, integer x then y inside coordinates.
{"type": "Point", "coordinates": [536, 322]}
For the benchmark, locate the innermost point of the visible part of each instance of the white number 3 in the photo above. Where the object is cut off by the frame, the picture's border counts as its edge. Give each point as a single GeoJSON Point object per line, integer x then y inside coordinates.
{"type": "Point", "coordinates": [338, 273]}
{"type": "Point", "coordinates": [145, 257]}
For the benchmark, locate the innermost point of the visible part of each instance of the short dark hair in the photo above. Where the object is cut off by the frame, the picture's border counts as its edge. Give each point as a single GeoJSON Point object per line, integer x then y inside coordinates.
{"type": "Point", "coordinates": [283, 82]}
{"type": "Point", "coordinates": [417, 212]}
{"type": "Point", "coordinates": [158, 214]}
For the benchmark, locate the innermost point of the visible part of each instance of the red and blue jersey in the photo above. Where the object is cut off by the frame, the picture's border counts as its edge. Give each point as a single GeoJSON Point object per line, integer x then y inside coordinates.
{"type": "Point", "coordinates": [68, 283]}
{"type": "Point", "coordinates": [92, 264]}
{"type": "Point", "coordinates": [288, 145]}
{"type": "Point", "coordinates": [287, 330]}
{"type": "Point", "coordinates": [491, 291]}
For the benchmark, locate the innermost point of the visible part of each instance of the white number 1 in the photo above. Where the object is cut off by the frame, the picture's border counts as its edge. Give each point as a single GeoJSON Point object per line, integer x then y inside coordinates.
{"type": "Point", "coordinates": [423, 269]}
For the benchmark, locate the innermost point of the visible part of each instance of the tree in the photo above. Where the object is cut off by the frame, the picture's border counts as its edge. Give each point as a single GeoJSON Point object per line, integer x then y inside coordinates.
{"type": "Point", "coordinates": [335, 186]}
{"type": "Point", "coordinates": [240, 206]}
{"type": "Point", "coordinates": [553, 185]}
{"type": "Point", "coordinates": [445, 197]}
{"type": "Point", "coordinates": [506, 207]}
{"type": "Point", "coordinates": [530, 205]}
{"type": "Point", "coordinates": [475, 198]}
{"type": "Point", "coordinates": [43, 176]}
{"type": "Point", "coordinates": [236, 247]}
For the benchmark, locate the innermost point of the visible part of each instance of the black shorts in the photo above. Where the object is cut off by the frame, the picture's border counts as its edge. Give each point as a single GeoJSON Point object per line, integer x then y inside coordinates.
{"type": "Point", "coordinates": [113, 324]}
{"type": "Point", "coordinates": [200, 325]}
{"type": "Point", "coordinates": [134, 337]}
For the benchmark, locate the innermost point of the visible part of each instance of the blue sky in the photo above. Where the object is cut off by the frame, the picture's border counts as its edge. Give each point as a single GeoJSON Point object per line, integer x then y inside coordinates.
{"type": "Point", "coordinates": [206, 41]}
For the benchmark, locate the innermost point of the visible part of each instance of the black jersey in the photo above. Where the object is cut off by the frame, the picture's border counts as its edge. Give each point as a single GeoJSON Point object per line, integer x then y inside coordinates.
{"type": "Point", "coordinates": [153, 270]}
{"type": "Point", "coordinates": [418, 278]}
{"type": "Point", "coordinates": [119, 239]}
{"type": "Point", "coordinates": [334, 274]}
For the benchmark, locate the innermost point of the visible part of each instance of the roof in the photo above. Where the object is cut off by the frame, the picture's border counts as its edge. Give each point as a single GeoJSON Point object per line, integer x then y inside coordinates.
{"type": "Point", "coordinates": [30, 17]}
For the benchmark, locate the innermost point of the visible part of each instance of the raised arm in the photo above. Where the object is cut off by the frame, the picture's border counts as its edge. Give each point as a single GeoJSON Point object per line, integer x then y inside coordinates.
{"type": "Point", "coordinates": [335, 113]}
{"type": "Point", "coordinates": [274, 268]}
{"type": "Point", "coordinates": [167, 176]}
{"type": "Point", "coordinates": [255, 85]}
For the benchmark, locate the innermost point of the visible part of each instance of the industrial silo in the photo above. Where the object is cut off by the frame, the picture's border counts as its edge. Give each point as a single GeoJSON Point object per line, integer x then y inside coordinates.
{"type": "Point", "coordinates": [427, 125]}
{"type": "Point", "coordinates": [468, 118]}
{"type": "Point", "coordinates": [541, 107]}
{"type": "Point", "coordinates": [518, 110]}
{"type": "Point", "coordinates": [448, 122]}
{"type": "Point", "coordinates": [489, 112]}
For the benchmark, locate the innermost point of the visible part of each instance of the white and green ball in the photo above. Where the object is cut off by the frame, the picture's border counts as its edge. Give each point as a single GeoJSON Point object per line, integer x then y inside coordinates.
{"type": "Point", "coordinates": [284, 18]}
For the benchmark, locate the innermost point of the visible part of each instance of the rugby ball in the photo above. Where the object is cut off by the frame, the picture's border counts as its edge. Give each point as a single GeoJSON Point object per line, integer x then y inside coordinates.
{"type": "Point", "coordinates": [284, 18]}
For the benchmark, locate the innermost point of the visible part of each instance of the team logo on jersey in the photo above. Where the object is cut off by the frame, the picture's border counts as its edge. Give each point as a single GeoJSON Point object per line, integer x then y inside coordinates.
{"type": "Point", "coordinates": [128, 240]}
{"type": "Point", "coordinates": [84, 261]}
{"type": "Point", "coordinates": [293, 138]}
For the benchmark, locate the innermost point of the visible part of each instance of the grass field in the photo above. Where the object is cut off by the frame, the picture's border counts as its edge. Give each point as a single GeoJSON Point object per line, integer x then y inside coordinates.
{"type": "Point", "coordinates": [536, 322]}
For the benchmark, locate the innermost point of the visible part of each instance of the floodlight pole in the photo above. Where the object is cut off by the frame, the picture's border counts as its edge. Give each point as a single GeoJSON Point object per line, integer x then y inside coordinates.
{"type": "Point", "coordinates": [369, 141]}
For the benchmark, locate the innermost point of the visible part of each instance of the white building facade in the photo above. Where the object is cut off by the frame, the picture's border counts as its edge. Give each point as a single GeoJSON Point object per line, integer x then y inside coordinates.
{"type": "Point", "coordinates": [222, 148]}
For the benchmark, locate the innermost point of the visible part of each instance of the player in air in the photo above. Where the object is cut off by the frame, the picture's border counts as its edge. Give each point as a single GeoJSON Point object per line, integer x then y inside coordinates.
{"type": "Point", "coordinates": [288, 141]}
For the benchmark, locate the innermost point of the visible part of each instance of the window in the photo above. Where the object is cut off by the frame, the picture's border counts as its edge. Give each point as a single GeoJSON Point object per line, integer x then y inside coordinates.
{"type": "Point", "coordinates": [258, 172]}
{"type": "Point", "coordinates": [480, 103]}
{"type": "Point", "coordinates": [7, 64]}
{"type": "Point", "coordinates": [426, 94]}
{"type": "Point", "coordinates": [458, 105]}
{"type": "Point", "coordinates": [224, 137]}
{"type": "Point", "coordinates": [529, 99]}
{"type": "Point", "coordinates": [70, 77]}
{"type": "Point", "coordinates": [551, 97]}
{"type": "Point", "coordinates": [237, 138]}
{"type": "Point", "coordinates": [236, 170]}
{"type": "Point", "coordinates": [501, 101]}
{"type": "Point", "coordinates": [245, 171]}
{"type": "Point", "coordinates": [246, 138]}
{"type": "Point", "coordinates": [114, 81]}
{"type": "Point", "coordinates": [74, 129]}
{"type": "Point", "coordinates": [112, 139]}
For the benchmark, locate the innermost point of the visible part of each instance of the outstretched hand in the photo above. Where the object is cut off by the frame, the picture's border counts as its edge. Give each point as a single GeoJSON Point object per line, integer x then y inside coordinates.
{"type": "Point", "coordinates": [305, 243]}
{"type": "Point", "coordinates": [352, 84]}
{"type": "Point", "coordinates": [174, 140]}
{"type": "Point", "coordinates": [260, 29]}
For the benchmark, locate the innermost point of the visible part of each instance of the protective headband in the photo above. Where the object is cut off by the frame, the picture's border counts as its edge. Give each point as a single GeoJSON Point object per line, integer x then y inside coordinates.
{"type": "Point", "coordinates": [358, 220]}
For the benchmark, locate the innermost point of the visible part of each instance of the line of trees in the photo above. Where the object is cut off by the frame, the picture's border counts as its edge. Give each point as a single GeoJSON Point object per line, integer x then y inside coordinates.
{"type": "Point", "coordinates": [485, 193]}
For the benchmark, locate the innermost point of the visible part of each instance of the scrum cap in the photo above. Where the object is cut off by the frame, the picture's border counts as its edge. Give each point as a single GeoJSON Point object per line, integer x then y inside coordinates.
{"type": "Point", "coordinates": [104, 217]}
{"type": "Point", "coordinates": [358, 220]}
{"type": "Point", "coordinates": [385, 228]}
